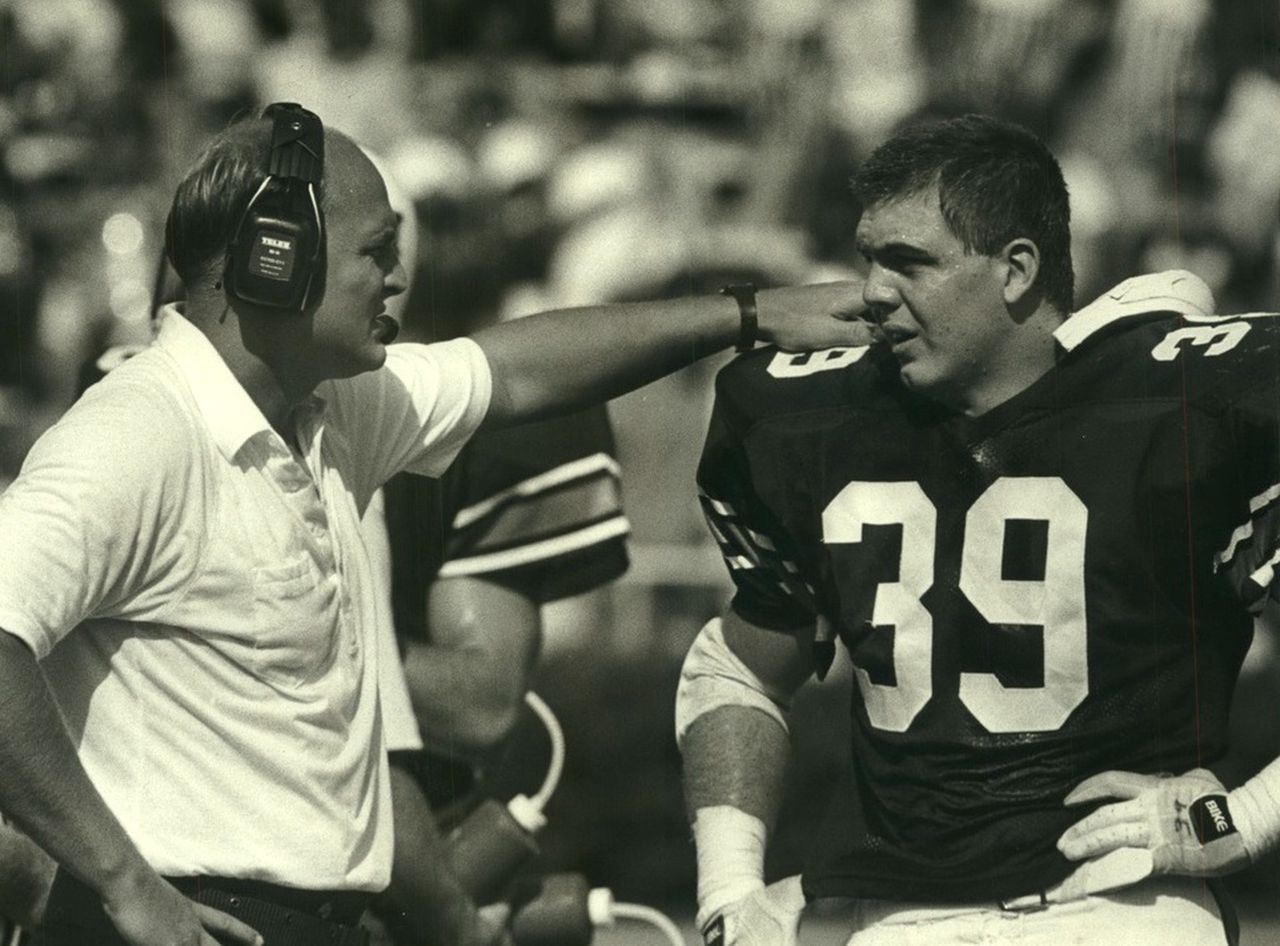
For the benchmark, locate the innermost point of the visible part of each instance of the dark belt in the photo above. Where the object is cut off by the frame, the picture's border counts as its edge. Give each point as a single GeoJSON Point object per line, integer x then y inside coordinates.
{"type": "Point", "coordinates": [283, 915]}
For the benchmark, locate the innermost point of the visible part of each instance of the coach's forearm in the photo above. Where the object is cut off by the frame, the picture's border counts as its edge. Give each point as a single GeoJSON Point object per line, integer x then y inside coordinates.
{"type": "Point", "coordinates": [44, 789]}
{"type": "Point", "coordinates": [565, 359]}
{"type": "Point", "coordinates": [562, 359]}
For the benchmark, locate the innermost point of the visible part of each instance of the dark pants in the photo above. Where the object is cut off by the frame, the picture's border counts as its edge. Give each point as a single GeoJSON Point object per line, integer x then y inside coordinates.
{"type": "Point", "coordinates": [284, 916]}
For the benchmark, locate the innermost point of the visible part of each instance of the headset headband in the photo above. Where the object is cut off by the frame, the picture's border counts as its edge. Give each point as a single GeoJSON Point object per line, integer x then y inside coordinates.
{"type": "Point", "coordinates": [297, 142]}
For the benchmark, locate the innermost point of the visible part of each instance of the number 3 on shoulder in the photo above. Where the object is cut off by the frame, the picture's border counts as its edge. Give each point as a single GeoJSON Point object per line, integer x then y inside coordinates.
{"type": "Point", "coordinates": [1057, 603]}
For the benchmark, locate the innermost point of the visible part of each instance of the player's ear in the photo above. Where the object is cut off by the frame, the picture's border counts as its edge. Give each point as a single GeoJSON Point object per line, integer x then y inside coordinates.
{"type": "Point", "coordinates": [1021, 265]}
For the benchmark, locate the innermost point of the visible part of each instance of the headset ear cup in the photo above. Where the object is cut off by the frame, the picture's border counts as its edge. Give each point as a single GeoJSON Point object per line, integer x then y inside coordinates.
{"type": "Point", "coordinates": [276, 259]}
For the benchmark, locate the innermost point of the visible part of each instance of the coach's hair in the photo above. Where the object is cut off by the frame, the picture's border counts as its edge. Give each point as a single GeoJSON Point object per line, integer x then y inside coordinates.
{"type": "Point", "coordinates": [211, 200]}
{"type": "Point", "coordinates": [996, 182]}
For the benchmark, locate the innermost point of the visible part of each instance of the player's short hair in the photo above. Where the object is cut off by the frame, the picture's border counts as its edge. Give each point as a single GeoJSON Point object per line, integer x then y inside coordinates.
{"type": "Point", "coordinates": [211, 199]}
{"type": "Point", "coordinates": [996, 182]}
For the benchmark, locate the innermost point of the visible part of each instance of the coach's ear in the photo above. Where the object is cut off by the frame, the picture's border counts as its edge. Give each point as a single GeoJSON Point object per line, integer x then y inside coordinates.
{"type": "Point", "coordinates": [1020, 260]}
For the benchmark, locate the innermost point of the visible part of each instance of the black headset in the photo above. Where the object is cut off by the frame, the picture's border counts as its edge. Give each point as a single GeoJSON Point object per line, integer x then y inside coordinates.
{"type": "Point", "coordinates": [276, 260]}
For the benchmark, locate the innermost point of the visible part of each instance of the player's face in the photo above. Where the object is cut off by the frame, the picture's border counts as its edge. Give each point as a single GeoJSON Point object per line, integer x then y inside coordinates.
{"type": "Point", "coordinates": [364, 271]}
{"type": "Point", "coordinates": [939, 307]}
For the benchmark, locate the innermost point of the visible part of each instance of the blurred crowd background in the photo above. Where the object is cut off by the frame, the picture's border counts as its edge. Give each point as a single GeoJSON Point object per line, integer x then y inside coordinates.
{"type": "Point", "coordinates": [573, 151]}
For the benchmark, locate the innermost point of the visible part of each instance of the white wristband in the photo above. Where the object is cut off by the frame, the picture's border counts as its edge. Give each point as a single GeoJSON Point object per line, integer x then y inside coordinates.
{"type": "Point", "coordinates": [730, 845]}
{"type": "Point", "coordinates": [1255, 808]}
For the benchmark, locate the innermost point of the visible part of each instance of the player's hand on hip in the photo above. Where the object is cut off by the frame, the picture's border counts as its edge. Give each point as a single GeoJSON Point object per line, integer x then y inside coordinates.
{"type": "Point", "coordinates": [148, 911]}
{"type": "Point", "coordinates": [808, 318]}
{"type": "Point", "coordinates": [1182, 820]}
{"type": "Point", "coordinates": [768, 917]}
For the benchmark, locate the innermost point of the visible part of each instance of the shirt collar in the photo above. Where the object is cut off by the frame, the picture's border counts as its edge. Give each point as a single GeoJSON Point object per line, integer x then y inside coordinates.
{"type": "Point", "coordinates": [229, 412]}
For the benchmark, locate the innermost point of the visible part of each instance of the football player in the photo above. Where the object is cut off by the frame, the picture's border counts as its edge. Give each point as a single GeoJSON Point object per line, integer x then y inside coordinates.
{"type": "Point", "coordinates": [525, 516]}
{"type": "Point", "coordinates": [1041, 541]}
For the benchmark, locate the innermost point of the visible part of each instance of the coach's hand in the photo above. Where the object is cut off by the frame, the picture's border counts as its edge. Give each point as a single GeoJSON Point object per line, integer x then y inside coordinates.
{"type": "Point", "coordinates": [768, 917]}
{"type": "Point", "coordinates": [1182, 820]}
{"type": "Point", "coordinates": [792, 317]}
{"type": "Point", "coordinates": [146, 910]}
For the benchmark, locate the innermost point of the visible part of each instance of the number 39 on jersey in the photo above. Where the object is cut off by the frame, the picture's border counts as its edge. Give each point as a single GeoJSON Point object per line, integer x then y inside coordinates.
{"type": "Point", "coordinates": [1055, 604]}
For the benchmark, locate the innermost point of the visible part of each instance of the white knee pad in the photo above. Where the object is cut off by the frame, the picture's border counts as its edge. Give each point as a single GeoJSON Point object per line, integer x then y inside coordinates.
{"type": "Point", "coordinates": [713, 676]}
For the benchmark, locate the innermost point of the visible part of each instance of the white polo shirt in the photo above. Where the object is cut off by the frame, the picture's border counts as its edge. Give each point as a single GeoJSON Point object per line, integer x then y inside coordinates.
{"type": "Point", "coordinates": [204, 607]}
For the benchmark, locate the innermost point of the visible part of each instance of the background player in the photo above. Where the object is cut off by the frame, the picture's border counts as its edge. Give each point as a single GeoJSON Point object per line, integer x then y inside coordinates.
{"type": "Point", "coordinates": [524, 516]}
{"type": "Point", "coordinates": [1040, 542]}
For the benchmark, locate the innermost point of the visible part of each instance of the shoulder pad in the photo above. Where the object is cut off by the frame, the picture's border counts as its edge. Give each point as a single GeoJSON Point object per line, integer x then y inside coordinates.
{"type": "Point", "coordinates": [1174, 290]}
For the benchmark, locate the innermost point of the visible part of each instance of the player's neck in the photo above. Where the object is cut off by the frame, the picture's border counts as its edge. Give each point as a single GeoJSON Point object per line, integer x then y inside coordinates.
{"type": "Point", "coordinates": [1012, 368]}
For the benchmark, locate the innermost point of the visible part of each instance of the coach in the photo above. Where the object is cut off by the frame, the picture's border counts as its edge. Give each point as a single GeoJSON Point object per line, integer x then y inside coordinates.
{"type": "Point", "coordinates": [187, 681]}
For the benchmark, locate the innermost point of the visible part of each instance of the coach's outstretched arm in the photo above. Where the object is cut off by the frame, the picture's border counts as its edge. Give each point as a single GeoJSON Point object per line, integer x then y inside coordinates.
{"type": "Point", "coordinates": [735, 686]}
{"type": "Point", "coordinates": [46, 791]}
{"type": "Point", "coordinates": [559, 360]}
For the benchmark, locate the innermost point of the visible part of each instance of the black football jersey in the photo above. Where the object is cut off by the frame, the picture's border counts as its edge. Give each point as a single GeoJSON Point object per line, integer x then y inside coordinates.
{"type": "Point", "coordinates": [1058, 587]}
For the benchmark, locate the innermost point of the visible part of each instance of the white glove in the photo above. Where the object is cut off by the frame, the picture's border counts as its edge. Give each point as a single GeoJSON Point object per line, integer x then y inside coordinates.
{"type": "Point", "coordinates": [1182, 820]}
{"type": "Point", "coordinates": [768, 917]}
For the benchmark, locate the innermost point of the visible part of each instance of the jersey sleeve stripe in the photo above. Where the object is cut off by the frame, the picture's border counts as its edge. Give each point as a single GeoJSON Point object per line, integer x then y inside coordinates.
{"type": "Point", "coordinates": [562, 475]}
{"type": "Point", "coordinates": [739, 541]}
{"type": "Point", "coordinates": [545, 550]}
{"type": "Point", "coordinates": [530, 519]}
{"type": "Point", "coordinates": [719, 505]}
{"type": "Point", "coordinates": [1244, 532]}
{"type": "Point", "coordinates": [747, 550]}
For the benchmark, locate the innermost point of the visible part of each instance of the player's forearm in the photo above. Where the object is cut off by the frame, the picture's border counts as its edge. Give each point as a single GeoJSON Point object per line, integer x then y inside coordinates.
{"type": "Point", "coordinates": [735, 685]}
{"type": "Point", "coordinates": [43, 787]}
{"type": "Point", "coordinates": [1256, 808]}
{"type": "Point", "coordinates": [735, 756]}
{"type": "Point", "coordinates": [569, 358]}
{"type": "Point", "coordinates": [423, 885]}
